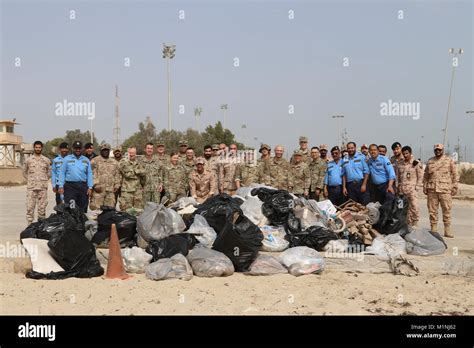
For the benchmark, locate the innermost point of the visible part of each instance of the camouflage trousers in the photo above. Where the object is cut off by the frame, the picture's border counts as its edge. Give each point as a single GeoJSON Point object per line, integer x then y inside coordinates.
{"type": "Point", "coordinates": [152, 196]}
{"type": "Point", "coordinates": [131, 200]}
{"type": "Point", "coordinates": [436, 199]}
{"type": "Point", "coordinates": [413, 209]}
{"type": "Point", "coordinates": [32, 197]}
{"type": "Point", "coordinates": [103, 198]}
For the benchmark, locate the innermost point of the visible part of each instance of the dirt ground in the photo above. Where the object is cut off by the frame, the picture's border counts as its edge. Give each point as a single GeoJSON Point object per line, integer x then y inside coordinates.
{"type": "Point", "coordinates": [329, 293]}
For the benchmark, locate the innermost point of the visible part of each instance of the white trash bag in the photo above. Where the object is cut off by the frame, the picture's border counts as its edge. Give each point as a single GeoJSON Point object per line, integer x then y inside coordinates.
{"type": "Point", "coordinates": [204, 233]}
{"type": "Point", "coordinates": [266, 265]}
{"type": "Point", "coordinates": [274, 238]}
{"type": "Point", "coordinates": [135, 259]}
{"type": "Point", "coordinates": [209, 263]}
{"type": "Point", "coordinates": [177, 267]}
{"type": "Point", "coordinates": [387, 247]}
{"type": "Point", "coordinates": [158, 222]}
{"type": "Point", "coordinates": [422, 242]}
{"type": "Point", "coordinates": [252, 208]}
{"type": "Point", "coordinates": [302, 260]}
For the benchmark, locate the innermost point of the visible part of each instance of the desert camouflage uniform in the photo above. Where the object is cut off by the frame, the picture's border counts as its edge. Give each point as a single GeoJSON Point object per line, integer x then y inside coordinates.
{"type": "Point", "coordinates": [132, 173]}
{"type": "Point", "coordinates": [247, 174]}
{"type": "Point", "coordinates": [301, 178]}
{"type": "Point", "coordinates": [106, 178]}
{"type": "Point", "coordinates": [153, 179]}
{"type": "Point", "coordinates": [410, 179]}
{"type": "Point", "coordinates": [202, 186]}
{"type": "Point", "coordinates": [439, 180]}
{"type": "Point", "coordinates": [306, 156]}
{"type": "Point", "coordinates": [175, 182]}
{"type": "Point", "coordinates": [277, 173]}
{"type": "Point", "coordinates": [227, 175]}
{"type": "Point", "coordinates": [317, 170]}
{"type": "Point", "coordinates": [37, 172]}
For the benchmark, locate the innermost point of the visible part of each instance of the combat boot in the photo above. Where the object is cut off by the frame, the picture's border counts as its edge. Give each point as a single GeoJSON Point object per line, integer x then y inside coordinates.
{"type": "Point", "coordinates": [447, 231]}
{"type": "Point", "coordinates": [434, 228]}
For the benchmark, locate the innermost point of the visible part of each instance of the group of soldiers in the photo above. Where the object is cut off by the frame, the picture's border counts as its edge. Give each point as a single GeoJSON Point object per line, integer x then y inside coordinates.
{"type": "Point", "coordinates": [363, 176]}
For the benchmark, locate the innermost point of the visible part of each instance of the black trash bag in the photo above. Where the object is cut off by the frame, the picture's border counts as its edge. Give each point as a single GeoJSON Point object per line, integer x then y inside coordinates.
{"type": "Point", "coordinates": [293, 224]}
{"type": "Point", "coordinates": [315, 237]}
{"type": "Point", "coordinates": [355, 244]}
{"type": "Point", "coordinates": [73, 252]}
{"type": "Point", "coordinates": [126, 225]}
{"type": "Point", "coordinates": [240, 242]}
{"type": "Point", "coordinates": [167, 247]}
{"type": "Point", "coordinates": [393, 217]}
{"type": "Point", "coordinates": [31, 231]}
{"type": "Point", "coordinates": [218, 209]}
{"type": "Point", "coordinates": [277, 204]}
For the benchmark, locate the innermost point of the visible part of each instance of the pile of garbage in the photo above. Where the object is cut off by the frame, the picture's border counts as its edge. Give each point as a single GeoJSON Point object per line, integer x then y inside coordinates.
{"type": "Point", "coordinates": [228, 234]}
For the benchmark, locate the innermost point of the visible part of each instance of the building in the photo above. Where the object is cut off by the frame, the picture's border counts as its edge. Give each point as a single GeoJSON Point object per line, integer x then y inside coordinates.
{"type": "Point", "coordinates": [12, 154]}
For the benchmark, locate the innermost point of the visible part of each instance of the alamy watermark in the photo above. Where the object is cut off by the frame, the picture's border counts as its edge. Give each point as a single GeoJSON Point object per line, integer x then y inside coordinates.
{"type": "Point", "coordinates": [67, 108]}
{"type": "Point", "coordinates": [405, 109]}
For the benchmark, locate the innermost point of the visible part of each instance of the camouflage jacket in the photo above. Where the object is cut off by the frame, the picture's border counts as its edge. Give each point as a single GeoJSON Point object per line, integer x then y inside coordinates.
{"type": "Point", "coordinates": [131, 173]}
{"type": "Point", "coordinates": [227, 174]}
{"type": "Point", "coordinates": [277, 173]}
{"type": "Point", "coordinates": [163, 159]}
{"type": "Point", "coordinates": [306, 154]}
{"type": "Point", "coordinates": [188, 167]}
{"type": "Point", "coordinates": [37, 172]}
{"type": "Point", "coordinates": [202, 185]}
{"type": "Point", "coordinates": [300, 178]}
{"type": "Point", "coordinates": [175, 179]}
{"type": "Point", "coordinates": [247, 174]}
{"type": "Point", "coordinates": [409, 176]}
{"type": "Point", "coordinates": [153, 174]}
{"type": "Point", "coordinates": [441, 175]}
{"type": "Point", "coordinates": [317, 170]}
{"type": "Point", "coordinates": [106, 174]}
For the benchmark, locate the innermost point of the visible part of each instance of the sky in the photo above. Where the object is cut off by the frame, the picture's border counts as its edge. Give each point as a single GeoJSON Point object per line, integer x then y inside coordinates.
{"type": "Point", "coordinates": [299, 63]}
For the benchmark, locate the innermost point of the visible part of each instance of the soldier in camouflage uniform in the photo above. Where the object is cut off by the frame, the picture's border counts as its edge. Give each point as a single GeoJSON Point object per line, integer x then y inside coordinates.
{"type": "Point", "coordinates": [277, 171]}
{"type": "Point", "coordinates": [175, 180]}
{"type": "Point", "coordinates": [202, 182]}
{"type": "Point", "coordinates": [300, 176]}
{"type": "Point", "coordinates": [317, 171]}
{"type": "Point", "coordinates": [161, 155]}
{"type": "Point", "coordinates": [153, 180]}
{"type": "Point", "coordinates": [440, 183]}
{"type": "Point", "coordinates": [410, 179]}
{"type": "Point", "coordinates": [188, 163]}
{"type": "Point", "coordinates": [227, 171]}
{"type": "Point", "coordinates": [132, 173]}
{"type": "Point", "coordinates": [183, 146]}
{"type": "Point", "coordinates": [247, 173]}
{"type": "Point", "coordinates": [106, 179]}
{"type": "Point", "coordinates": [304, 150]}
{"type": "Point", "coordinates": [37, 172]}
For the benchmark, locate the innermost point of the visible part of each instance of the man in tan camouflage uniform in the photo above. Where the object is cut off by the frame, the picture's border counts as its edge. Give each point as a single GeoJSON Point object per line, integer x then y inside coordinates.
{"type": "Point", "coordinates": [277, 171]}
{"type": "Point", "coordinates": [37, 172]}
{"type": "Point", "coordinates": [227, 171]}
{"type": "Point", "coordinates": [161, 155]}
{"type": "Point", "coordinates": [300, 176]}
{"type": "Point", "coordinates": [175, 180]}
{"type": "Point", "coordinates": [106, 179]}
{"type": "Point", "coordinates": [153, 179]}
{"type": "Point", "coordinates": [323, 151]}
{"type": "Point", "coordinates": [188, 163]}
{"type": "Point", "coordinates": [202, 182]}
{"type": "Point", "coordinates": [410, 179]}
{"type": "Point", "coordinates": [247, 172]}
{"type": "Point", "coordinates": [440, 183]}
{"type": "Point", "coordinates": [132, 173]}
{"type": "Point", "coordinates": [304, 150]}
{"type": "Point", "coordinates": [183, 146]}
{"type": "Point", "coordinates": [317, 171]}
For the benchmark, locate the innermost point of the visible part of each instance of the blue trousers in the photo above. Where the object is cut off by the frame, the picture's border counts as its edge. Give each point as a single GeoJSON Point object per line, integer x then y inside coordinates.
{"type": "Point", "coordinates": [381, 193]}
{"type": "Point", "coordinates": [76, 191]}
{"type": "Point", "coordinates": [335, 195]}
{"type": "Point", "coordinates": [353, 192]}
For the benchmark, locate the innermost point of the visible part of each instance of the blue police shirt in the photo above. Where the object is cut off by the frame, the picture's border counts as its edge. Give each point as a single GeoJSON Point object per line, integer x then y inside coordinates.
{"type": "Point", "coordinates": [381, 170]}
{"type": "Point", "coordinates": [354, 168]}
{"type": "Point", "coordinates": [76, 170]}
{"type": "Point", "coordinates": [333, 175]}
{"type": "Point", "coordinates": [55, 168]}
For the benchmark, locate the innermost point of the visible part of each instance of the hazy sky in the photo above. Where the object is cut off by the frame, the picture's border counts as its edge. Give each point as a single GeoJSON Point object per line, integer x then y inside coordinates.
{"type": "Point", "coordinates": [282, 61]}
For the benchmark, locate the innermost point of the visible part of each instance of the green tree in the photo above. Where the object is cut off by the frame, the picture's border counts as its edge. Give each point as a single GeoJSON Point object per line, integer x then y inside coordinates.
{"type": "Point", "coordinates": [51, 147]}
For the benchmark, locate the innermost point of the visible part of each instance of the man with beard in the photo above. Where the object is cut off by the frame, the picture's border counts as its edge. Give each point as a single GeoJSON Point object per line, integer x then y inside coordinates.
{"type": "Point", "coordinates": [56, 167]}
{"type": "Point", "coordinates": [355, 173]}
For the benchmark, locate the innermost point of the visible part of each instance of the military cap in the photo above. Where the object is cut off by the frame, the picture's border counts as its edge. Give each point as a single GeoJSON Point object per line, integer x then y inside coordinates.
{"type": "Point", "coordinates": [105, 146]}
{"type": "Point", "coordinates": [215, 147]}
{"type": "Point", "coordinates": [77, 145]}
{"type": "Point", "coordinates": [297, 153]}
{"type": "Point", "coordinates": [323, 147]}
{"type": "Point", "coordinates": [364, 146]}
{"type": "Point", "coordinates": [303, 139]}
{"type": "Point", "coordinates": [200, 160]}
{"type": "Point", "coordinates": [183, 143]}
{"type": "Point", "coordinates": [88, 146]}
{"type": "Point", "coordinates": [160, 142]}
{"type": "Point", "coordinates": [439, 146]}
{"type": "Point", "coordinates": [264, 146]}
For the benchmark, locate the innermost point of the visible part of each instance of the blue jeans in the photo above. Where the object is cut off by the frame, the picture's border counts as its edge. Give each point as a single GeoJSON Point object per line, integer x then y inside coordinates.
{"type": "Point", "coordinates": [335, 195]}
{"type": "Point", "coordinates": [381, 193]}
{"type": "Point", "coordinates": [353, 192]}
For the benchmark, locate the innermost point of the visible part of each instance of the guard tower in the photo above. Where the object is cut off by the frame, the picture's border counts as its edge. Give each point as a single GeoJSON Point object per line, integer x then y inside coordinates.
{"type": "Point", "coordinates": [10, 154]}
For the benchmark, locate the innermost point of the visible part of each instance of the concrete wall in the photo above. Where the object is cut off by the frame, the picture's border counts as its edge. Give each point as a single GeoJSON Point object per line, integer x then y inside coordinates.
{"type": "Point", "coordinates": [11, 176]}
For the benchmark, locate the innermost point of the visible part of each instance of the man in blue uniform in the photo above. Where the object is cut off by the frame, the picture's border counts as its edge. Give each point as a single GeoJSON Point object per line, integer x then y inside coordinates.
{"type": "Point", "coordinates": [75, 178]}
{"type": "Point", "coordinates": [333, 178]}
{"type": "Point", "coordinates": [56, 167]}
{"type": "Point", "coordinates": [382, 175]}
{"type": "Point", "coordinates": [355, 173]}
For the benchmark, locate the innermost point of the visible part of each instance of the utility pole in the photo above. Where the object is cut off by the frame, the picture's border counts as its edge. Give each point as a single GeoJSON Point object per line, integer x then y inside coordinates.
{"type": "Point", "coordinates": [169, 53]}
{"type": "Point", "coordinates": [117, 119]}
{"type": "Point", "coordinates": [338, 117]}
{"type": "Point", "coordinates": [454, 65]}
{"type": "Point", "coordinates": [197, 113]}
{"type": "Point", "coordinates": [224, 109]}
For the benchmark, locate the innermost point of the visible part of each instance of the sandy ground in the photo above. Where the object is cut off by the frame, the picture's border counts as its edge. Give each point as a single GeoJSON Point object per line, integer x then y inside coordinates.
{"type": "Point", "coordinates": [332, 292]}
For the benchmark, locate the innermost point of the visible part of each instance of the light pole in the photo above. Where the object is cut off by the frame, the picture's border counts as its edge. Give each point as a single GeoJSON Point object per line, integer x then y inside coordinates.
{"type": "Point", "coordinates": [454, 64]}
{"type": "Point", "coordinates": [197, 113]}
{"type": "Point", "coordinates": [243, 133]}
{"type": "Point", "coordinates": [169, 53]}
{"type": "Point", "coordinates": [224, 109]}
{"type": "Point", "coordinates": [92, 134]}
{"type": "Point", "coordinates": [338, 117]}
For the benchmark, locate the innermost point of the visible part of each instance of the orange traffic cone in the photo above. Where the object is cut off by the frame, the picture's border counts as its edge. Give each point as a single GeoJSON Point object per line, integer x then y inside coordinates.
{"type": "Point", "coordinates": [115, 268]}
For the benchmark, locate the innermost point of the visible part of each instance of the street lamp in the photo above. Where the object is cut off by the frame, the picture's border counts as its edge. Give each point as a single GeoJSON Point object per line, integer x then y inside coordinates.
{"type": "Point", "coordinates": [338, 117]}
{"type": "Point", "coordinates": [168, 53]}
{"type": "Point", "coordinates": [455, 53]}
{"type": "Point", "coordinates": [197, 113]}
{"type": "Point", "coordinates": [244, 126]}
{"type": "Point", "coordinates": [224, 109]}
